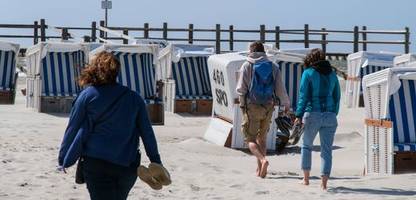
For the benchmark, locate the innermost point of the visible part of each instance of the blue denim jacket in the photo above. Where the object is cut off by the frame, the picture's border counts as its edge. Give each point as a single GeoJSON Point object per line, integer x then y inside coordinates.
{"type": "Point", "coordinates": [116, 137]}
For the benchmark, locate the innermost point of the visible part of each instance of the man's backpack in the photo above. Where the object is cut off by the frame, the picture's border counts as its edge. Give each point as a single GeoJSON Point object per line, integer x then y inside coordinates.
{"type": "Point", "coordinates": [262, 85]}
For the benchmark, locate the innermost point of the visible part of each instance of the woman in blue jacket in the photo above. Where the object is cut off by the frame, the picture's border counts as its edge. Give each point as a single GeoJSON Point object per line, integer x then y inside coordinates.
{"type": "Point", "coordinates": [317, 109]}
{"type": "Point", "coordinates": [105, 125]}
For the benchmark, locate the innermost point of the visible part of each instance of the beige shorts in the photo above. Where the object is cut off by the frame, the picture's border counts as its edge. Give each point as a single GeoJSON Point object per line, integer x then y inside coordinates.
{"type": "Point", "coordinates": [256, 121]}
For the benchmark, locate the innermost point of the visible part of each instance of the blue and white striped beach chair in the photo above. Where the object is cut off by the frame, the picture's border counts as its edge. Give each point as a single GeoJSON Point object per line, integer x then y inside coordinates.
{"type": "Point", "coordinates": [137, 72]}
{"type": "Point", "coordinates": [390, 99]}
{"type": "Point", "coordinates": [186, 70]}
{"type": "Point", "coordinates": [360, 64]}
{"type": "Point", "coordinates": [53, 71]}
{"type": "Point", "coordinates": [8, 76]}
{"type": "Point", "coordinates": [404, 60]}
{"type": "Point", "coordinates": [291, 67]}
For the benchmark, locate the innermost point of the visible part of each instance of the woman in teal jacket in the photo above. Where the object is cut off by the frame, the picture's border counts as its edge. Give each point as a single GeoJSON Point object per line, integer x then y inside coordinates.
{"type": "Point", "coordinates": [317, 109]}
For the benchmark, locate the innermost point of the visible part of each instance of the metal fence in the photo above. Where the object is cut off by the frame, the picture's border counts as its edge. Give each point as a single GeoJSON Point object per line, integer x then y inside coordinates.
{"type": "Point", "coordinates": [91, 34]}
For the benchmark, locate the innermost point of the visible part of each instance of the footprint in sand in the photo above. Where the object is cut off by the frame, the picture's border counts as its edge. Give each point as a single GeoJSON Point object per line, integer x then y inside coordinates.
{"type": "Point", "coordinates": [262, 192]}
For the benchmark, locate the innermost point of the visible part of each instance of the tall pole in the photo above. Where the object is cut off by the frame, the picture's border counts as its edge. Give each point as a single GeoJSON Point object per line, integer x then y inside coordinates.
{"type": "Point", "coordinates": [106, 13]}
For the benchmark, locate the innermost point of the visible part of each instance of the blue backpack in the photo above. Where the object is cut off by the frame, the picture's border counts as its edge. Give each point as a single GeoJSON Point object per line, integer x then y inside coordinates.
{"type": "Point", "coordinates": [262, 85]}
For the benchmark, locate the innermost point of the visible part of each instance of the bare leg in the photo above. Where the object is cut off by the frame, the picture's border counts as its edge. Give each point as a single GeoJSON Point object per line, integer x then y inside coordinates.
{"type": "Point", "coordinates": [258, 168]}
{"type": "Point", "coordinates": [262, 143]}
{"type": "Point", "coordinates": [255, 150]}
{"type": "Point", "coordinates": [306, 175]}
{"type": "Point", "coordinates": [324, 182]}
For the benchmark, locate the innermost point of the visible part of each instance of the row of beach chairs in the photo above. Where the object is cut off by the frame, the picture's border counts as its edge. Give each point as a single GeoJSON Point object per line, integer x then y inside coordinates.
{"type": "Point", "coordinates": [189, 78]}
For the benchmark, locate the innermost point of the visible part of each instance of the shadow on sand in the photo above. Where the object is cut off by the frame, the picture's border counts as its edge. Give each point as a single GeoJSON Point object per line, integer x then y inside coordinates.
{"type": "Point", "coordinates": [298, 177]}
{"type": "Point", "coordinates": [297, 149]}
{"type": "Point", "coordinates": [382, 191]}
{"type": "Point", "coordinates": [60, 115]}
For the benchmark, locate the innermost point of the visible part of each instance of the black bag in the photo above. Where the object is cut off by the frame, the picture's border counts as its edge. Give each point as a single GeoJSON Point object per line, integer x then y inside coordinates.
{"type": "Point", "coordinates": [79, 173]}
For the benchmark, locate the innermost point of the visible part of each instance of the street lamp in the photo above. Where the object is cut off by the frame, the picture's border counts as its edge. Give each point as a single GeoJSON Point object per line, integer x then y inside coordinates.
{"type": "Point", "coordinates": [106, 5]}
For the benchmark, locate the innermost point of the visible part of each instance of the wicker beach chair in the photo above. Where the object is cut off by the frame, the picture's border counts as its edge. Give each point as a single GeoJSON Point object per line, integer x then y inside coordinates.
{"type": "Point", "coordinates": [8, 75]}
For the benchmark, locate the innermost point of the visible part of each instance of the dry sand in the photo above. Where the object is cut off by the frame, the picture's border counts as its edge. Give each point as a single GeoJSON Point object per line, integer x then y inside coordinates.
{"type": "Point", "coordinates": [29, 144]}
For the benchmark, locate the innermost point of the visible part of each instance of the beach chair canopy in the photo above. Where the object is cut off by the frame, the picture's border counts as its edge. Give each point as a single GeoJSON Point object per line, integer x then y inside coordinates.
{"type": "Point", "coordinates": [137, 70]}
{"type": "Point", "coordinates": [58, 65]}
{"type": "Point", "coordinates": [8, 57]}
{"type": "Point", "coordinates": [391, 95]}
{"type": "Point", "coordinates": [404, 60]}
{"type": "Point", "coordinates": [290, 63]}
{"type": "Point", "coordinates": [363, 63]}
{"type": "Point", "coordinates": [187, 65]}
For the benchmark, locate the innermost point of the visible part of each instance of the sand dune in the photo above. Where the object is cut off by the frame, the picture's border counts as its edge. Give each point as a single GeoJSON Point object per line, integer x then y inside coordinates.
{"type": "Point", "coordinates": [29, 144]}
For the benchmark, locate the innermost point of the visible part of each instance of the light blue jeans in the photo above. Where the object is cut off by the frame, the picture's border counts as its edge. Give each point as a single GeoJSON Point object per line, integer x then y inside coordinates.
{"type": "Point", "coordinates": [326, 124]}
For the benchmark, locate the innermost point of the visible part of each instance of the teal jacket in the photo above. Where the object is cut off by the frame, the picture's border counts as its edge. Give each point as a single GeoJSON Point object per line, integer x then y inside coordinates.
{"type": "Point", "coordinates": [319, 90]}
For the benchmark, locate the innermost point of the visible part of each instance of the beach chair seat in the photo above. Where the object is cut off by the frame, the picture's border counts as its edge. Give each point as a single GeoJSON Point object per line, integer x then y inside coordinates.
{"type": "Point", "coordinates": [192, 86]}
{"type": "Point", "coordinates": [8, 75]}
{"type": "Point", "coordinates": [403, 147]}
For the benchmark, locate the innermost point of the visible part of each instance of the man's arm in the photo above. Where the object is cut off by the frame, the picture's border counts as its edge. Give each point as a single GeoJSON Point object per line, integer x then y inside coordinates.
{"type": "Point", "coordinates": [147, 134]}
{"type": "Point", "coordinates": [243, 83]}
{"type": "Point", "coordinates": [280, 90]}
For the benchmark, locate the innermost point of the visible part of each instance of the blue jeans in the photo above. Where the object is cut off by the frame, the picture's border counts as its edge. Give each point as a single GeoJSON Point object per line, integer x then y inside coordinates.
{"type": "Point", "coordinates": [326, 124]}
{"type": "Point", "coordinates": [108, 181]}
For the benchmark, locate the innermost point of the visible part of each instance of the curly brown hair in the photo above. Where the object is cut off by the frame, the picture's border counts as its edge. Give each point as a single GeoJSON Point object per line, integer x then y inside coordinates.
{"type": "Point", "coordinates": [314, 56]}
{"type": "Point", "coordinates": [103, 69]}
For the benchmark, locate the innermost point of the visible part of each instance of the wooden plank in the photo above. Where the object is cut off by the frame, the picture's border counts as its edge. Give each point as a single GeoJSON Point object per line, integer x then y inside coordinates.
{"type": "Point", "coordinates": [356, 38]}
{"type": "Point", "coordinates": [306, 36]}
{"type": "Point", "coordinates": [191, 34]}
{"type": "Point", "coordinates": [364, 35]}
{"type": "Point", "coordinates": [231, 42]}
{"type": "Point", "coordinates": [218, 38]}
{"type": "Point", "coordinates": [94, 31]}
{"type": "Point", "coordinates": [42, 30]}
{"type": "Point", "coordinates": [277, 37]}
{"type": "Point", "coordinates": [35, 32]}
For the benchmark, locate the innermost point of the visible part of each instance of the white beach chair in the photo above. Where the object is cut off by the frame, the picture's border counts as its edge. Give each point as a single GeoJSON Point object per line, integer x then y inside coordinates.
{"type": "Point", "coordinates": [8, 75]}
{"type": "Point", "coordinates": [138, 73]}
{"type": "Point", "coordinates": [184, 69]}
{"type": "Point", "coordinates": [390, 127]}
{"type": "Point", "coordinates": [360, 64]}
{"type": "Point", "coordinates": [53, 70]}
{"type": "Point", "coordinates": [404, 60]}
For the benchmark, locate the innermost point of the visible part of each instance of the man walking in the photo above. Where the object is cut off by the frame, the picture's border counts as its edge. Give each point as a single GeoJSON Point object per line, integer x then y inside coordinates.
{"type": "Point", "coordinates": [260, 88]}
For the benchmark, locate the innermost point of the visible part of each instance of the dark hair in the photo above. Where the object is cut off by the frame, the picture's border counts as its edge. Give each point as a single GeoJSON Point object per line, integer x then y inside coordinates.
{"type": "Point", "coordinates": [256, 46]}
{"type": "Point", "coordinates": [313, 57]}
{"type": "Point", "coordinates": [103, 69]}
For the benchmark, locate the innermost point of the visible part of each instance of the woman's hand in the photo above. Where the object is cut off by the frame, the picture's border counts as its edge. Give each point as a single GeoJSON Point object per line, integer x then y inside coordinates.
{"type": "Point", "coordinates": [298, 121]}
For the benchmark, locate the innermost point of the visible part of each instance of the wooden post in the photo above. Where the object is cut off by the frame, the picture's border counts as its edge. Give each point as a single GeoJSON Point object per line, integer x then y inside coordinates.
{"type": "Point", "coordinates": [87, 38]}
{"type": "Point", "coordinates": [35, 32]}
{"type": "Point", "coordinates": [356, 38]}
{"type": "Point", "coordinates": [218, 38]}
{"type": "Point", "coordinates": [191, 34]}
{"type": "Point", "coordinates": [146, 30]}
{"type": "Point", "coordinates": [42, 30]}
{"type": "Point", "coordinates": [94, 31]}
{"type": "Point", "coordinates": [277, 37]}
{"type": "Point", "coordinates": [125, 32]}
{"type": "Point", "coordinates": [64, 34]}
{"type": "Point", "coordinates": [165, 31]}
{"type": "Point", "coordinates": [262, 33]}
{"type": "Point", "coordinates": [231, 38]}
{"type": "Point", "coordinates": [406, 40]}
{"type": "Point", "coordinates": [102, 24]}
{"type": "Point", "coordinates": [323, 38]}
{"type": "Point", "coordinates": [364, 38]}
{"type": "Point", "coordinates": [306, 35]}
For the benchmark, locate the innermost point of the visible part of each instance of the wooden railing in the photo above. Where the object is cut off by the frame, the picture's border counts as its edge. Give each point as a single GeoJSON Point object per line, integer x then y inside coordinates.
{"type": "Point", "coordinates": [307, 36]}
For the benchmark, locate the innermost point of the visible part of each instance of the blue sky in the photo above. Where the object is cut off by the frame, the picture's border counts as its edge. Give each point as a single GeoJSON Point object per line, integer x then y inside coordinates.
{"type": "Point", "coordinates": [333, 14]}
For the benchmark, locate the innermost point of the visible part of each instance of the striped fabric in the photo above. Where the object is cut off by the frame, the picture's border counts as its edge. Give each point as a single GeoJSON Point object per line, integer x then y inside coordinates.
{"type": "Point", "coordinates": [192, 78]}
{"type": "Point", "coordinates": [7, 69]}
{"type": "Point", "coordinates": [137, 73]}
{"type": "Point", "coordinates": [60, 71]}
{"type": "Point", "coordinates": [370, 69]}
{"type": "Point", "coordinates": [291, 76]}
{"type": "Point", "coordinates": [402, 110]}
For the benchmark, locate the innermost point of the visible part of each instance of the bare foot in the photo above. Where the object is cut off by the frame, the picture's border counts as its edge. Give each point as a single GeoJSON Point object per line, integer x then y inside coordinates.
{"type": "Point", "coordinates": [263, 169]}
{"type": "Point", "coordinates": [324, 183]}
{"type": "Point", "coordinates": [305, 182]}
{"type": "Point", "coordinates": [258, 168]}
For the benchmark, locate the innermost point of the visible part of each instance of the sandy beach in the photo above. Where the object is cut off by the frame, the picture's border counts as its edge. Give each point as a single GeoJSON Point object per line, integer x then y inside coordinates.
{"type": "Point", "coordinates": [29, 144]}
